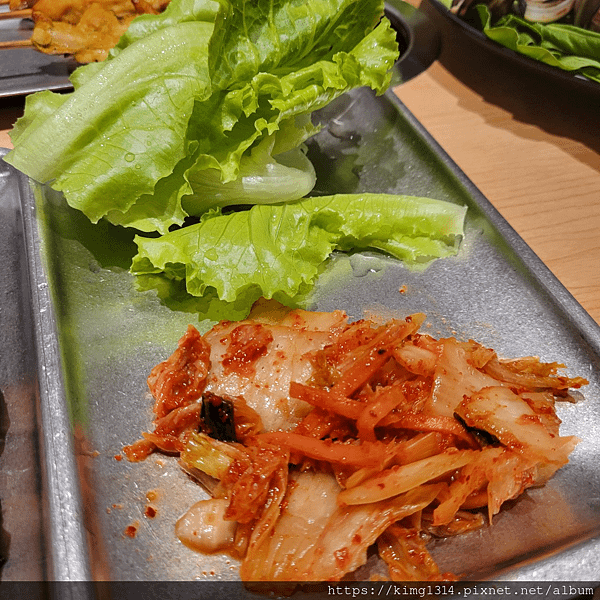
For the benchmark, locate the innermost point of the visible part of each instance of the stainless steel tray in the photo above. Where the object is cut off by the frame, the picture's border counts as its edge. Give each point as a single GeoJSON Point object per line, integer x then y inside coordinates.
{"type": "Point", "coordinates": [97, 339]}
{"type": "Point", "coordinates": [24, 70]}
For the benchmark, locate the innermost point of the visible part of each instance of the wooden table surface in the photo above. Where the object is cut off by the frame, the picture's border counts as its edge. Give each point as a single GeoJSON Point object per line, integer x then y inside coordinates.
{"type": "Point", "coordinates": [530, 145]}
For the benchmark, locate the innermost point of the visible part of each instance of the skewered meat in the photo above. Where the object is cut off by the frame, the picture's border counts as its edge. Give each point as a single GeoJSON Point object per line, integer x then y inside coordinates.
{"type": "Point", "coordinates": [86, 29]}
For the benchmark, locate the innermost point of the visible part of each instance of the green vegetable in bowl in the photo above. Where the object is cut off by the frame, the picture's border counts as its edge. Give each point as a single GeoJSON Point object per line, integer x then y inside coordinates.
{"type": "Point", "coordinates": [556, 33]}
{"type": "Point", "coordinates": [560, 45]}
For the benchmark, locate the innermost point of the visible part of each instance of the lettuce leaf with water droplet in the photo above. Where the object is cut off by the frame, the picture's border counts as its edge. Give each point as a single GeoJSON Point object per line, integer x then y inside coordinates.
{"type": "Point", "coordinates": [185, 98]}
{"type": "Point", "coordinates": [276, 251]}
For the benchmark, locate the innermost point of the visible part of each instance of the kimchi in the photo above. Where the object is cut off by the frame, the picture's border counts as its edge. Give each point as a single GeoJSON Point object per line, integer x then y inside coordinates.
{"type": "Point", "coordinates": [320, 439]}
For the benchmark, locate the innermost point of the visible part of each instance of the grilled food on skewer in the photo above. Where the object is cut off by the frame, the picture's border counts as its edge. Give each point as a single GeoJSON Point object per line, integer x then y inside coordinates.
{"type": "Point", "coordinates": [86, 29]}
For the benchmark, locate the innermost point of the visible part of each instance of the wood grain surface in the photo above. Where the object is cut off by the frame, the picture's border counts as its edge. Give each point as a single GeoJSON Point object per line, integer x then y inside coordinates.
{"type": "Point", "coordinates": [530, 144]}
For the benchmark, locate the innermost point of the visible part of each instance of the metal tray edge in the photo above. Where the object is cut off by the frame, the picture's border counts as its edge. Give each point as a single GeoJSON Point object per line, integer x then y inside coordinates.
{"type": "Point", "coordinates": [588, 327]}
{"type": "Point", "coordinates": [66, 544]}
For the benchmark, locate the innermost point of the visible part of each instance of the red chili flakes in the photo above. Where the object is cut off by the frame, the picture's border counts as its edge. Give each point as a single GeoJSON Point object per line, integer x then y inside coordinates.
{"type": "Point", "coordinates": [246, 344]}
{"type": "Point", "coordinates": [131, 530]}
{"type": "Point", "coordinates": [150, 511]}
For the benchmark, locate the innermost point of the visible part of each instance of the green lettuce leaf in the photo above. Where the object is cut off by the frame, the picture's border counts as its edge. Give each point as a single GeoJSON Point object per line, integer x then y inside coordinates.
{"type": "Point", "coordinates": [560, 45]}
{"type": "Point", "coordinates": [280, 36]}
{"type": "Point", "coordinates": [262, 178]}
{"type": "Point", "coordinates": [175, 13]}
{"type": "Point", "coordinates": [195, 89]}
{"type": "Point", "coordinates": [123, 129]}
{"type": "Point", "coordinates": [276, 251]}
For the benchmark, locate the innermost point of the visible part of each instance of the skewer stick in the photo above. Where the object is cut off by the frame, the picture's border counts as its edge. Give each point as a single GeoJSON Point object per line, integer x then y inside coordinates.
{"type": "Point", "coordinates": [16, 14]}
{"type": "Point", "coordinates": [15, 44]}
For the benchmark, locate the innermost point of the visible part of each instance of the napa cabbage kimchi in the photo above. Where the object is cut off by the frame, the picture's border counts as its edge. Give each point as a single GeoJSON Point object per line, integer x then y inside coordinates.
{"type": "Point", "coordinates": [320, 439]}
